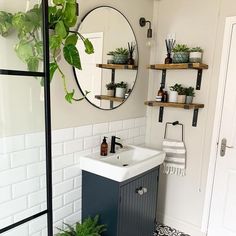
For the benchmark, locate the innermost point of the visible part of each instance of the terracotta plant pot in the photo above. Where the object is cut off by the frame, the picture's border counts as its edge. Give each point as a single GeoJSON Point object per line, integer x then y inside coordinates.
{"type": "Point", "coordinates": [110, 92]}
{"type": "Point", "coordinates": [181, 98]}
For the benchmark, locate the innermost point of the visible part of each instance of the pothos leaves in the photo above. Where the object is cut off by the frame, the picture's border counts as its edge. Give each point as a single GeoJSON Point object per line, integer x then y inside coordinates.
{"type": "Point", "coordinates": [72, 56]}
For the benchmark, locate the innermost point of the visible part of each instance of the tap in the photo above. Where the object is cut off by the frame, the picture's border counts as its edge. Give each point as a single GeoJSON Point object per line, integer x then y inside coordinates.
{"type": "Point", "coordinates": [114, 143]}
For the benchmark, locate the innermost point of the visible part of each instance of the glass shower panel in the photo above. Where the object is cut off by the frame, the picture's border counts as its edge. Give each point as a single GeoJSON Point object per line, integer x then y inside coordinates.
{"type": "Point", "coordinates": [22, 149]}
{"type": "Point", "coordinates": [21, 43]}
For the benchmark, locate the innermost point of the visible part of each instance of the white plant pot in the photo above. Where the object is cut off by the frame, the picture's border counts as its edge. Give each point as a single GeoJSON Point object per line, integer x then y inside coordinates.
{"type": "Point", "coordinates": [173, 96]}
{"type": "Point", "coordinates": [120, 92]}
{"type": "Point", "coordinates": [189, 99]}
{"type": "Point", "coordinates": [111, 92]}
{"type": "Point", "coordinates": [195, 57]}
{"type": "Point", "coordinates": [181, 98]}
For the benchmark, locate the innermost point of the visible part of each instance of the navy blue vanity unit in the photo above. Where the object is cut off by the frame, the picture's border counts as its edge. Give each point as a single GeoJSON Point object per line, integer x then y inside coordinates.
{"type": "Point", "coordinates": [127, 208]}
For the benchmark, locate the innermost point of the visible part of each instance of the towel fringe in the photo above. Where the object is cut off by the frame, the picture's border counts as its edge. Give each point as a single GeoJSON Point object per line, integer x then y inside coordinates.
{"type": "Point", "coordinates": [170, 170]}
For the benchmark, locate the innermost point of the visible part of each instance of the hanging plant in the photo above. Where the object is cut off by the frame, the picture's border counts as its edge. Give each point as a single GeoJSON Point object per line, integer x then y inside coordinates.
{"type": "Point", "coordinates": [62, 40]}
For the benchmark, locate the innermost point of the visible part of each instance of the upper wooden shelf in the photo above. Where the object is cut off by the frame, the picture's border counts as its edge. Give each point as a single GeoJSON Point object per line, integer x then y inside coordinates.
{"type": "Point", "coordinates": [182, 66]}
{"type": "Point", "coordinates": [117, 66]}
{"type": "Point", "coordinates": [113, 99]}
{"type": "Point", "coordinates": [176, 105]}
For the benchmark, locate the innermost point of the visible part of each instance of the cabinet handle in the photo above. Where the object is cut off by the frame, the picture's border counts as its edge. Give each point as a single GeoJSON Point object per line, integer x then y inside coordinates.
{"type": "Point", "coordinates": [141, 191]}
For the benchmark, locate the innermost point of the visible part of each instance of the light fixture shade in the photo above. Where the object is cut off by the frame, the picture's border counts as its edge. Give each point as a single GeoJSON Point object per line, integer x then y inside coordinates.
{"type": "Point", "coordinates": [149, 33]}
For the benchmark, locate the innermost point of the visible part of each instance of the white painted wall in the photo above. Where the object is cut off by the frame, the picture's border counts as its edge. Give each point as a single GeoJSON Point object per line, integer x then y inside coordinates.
{"type": "Point", "coordinates": [181, 199]}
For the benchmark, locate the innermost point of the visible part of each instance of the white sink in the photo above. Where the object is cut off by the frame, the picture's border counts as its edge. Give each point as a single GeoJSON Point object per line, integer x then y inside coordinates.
{"type": "Point", "coordinates": [126, 163]}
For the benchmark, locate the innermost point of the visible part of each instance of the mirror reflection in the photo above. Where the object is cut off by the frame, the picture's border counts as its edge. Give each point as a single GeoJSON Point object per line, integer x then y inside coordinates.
{"type": "Point", "coordinates": [110, 73]}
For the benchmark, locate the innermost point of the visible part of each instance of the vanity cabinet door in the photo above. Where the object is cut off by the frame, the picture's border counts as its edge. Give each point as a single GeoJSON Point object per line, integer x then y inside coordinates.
{"type": "Point", "coordinates": [138, 200]}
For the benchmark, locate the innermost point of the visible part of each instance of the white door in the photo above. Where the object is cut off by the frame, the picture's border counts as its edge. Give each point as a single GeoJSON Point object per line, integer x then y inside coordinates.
{"type": "Point", "coordinates": [223, 209]}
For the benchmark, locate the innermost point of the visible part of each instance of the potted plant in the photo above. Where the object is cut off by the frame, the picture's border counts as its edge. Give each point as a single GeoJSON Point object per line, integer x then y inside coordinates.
{"type": "Point", "coordinates": [173, 95]}
{"type": "Point", "coordinates": [195, 55]}
{"type": "Point", "coordinates": [62, 18]}
{"type": "Point", "coordinates": [110, 89]}
{"type": "Point", "coordinates": [121, 89]}
{"type": "Point", "coordinates": [181, 94]}
{"type": "Point", "coordinates": [89, 227]}
{"type": "Point", "coordinates": [120, 56]}
{"type": "Point", "coordinates": [189, 95]}
{"type": "Point", "coordinates": [181, 53]}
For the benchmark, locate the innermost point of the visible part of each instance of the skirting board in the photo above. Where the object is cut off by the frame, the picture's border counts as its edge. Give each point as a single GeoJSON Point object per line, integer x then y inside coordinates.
{"type": "Point", "coordinates": [180, 225]}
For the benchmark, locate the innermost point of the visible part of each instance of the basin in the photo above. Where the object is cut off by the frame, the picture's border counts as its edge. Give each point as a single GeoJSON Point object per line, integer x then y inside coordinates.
{"type": "Point", "coordinates": [126, 163]}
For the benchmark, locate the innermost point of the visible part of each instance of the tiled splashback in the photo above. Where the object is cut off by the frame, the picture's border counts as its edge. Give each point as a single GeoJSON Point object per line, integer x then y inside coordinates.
{"type": "Point", "coordinates": [22, 172]}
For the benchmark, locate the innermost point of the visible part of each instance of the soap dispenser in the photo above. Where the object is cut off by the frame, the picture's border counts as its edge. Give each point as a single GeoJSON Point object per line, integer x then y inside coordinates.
{"type": "Point", "coordinates": [104, 147]}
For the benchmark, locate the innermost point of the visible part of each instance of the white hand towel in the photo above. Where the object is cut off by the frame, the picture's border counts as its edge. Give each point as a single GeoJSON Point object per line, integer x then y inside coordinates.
{"type": "Point", "coordinates": [175, 161]}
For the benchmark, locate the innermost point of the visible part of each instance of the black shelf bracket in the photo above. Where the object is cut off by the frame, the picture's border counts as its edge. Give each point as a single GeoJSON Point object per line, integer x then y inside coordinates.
{"type": "Point", "coordinates": [113, 75]}
{"type": "Point", "coordinates": [163, 79]}
{"type": "Point", "coordinates": [199, 79]}
{"type": "Point", "coordinates": [195, 117]}
{"type": "Point", "coordinates": [161, 114]}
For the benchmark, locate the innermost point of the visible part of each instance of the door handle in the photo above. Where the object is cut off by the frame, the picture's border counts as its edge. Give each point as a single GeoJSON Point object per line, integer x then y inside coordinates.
{"type": "Point", "coordinates": [141, 191]}
{"type": "Point", "coordinates": [223, 147]}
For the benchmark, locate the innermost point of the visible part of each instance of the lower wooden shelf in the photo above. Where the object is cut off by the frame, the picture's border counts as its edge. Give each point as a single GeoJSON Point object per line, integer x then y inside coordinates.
{"type": "Point", "coordinates": [194, 106]}
{"type": "Point", "coordinates": [109, 98]}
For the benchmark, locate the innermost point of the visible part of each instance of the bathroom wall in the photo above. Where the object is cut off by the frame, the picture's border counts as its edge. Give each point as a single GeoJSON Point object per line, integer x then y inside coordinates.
{"type": "Point", "coordinates": [181, 199]}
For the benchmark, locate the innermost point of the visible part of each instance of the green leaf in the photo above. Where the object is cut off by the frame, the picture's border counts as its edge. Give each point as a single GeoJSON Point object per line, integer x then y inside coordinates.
{"type": "Point", "coordinates": [72, 56]}
{"type": "Point", "coordinates": [69, 96]}
{"type": "Point", "coordinates": [88, 46]}
{"type": "Point", "coordinates": [71, 39]}
{"type": "Point", "coordinates": [53, 68]}
{"type": "Point", "coordinates": [5, 23]}
{"type": "Point", "coordinates": [58, 2]}
{"type": "Point", "coordinates": [70, 16]}
{"type": "Point", "coordinates": [60, 29]}
{"type": "Point", "coordinates": [24, 51]}
{"type": "Point", "coordinates": [33, 64]}
{"type": "Point", "coordinates": [55, 42]}
{"type": "Point", "coordinates": [39, 48]}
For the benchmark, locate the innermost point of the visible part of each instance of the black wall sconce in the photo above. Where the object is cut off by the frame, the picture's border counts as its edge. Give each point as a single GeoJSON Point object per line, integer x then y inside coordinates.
{"type": "Point", "coordinates": [143, 22]}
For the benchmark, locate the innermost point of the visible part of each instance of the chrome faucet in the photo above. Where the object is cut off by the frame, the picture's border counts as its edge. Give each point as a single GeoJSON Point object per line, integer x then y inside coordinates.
{"type": "Point", "coordinates": [114, 143]}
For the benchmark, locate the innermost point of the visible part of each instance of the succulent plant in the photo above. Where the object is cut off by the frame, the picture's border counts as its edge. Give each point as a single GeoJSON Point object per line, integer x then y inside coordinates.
{"type": "Point", "coordinates": [119, 51]}
{"type": "Point", "coordinates": [181, 48]}
{"type": "Point", "coordinates": [196, 49]}
{"type": "Point", "coordinates": [122, 84]}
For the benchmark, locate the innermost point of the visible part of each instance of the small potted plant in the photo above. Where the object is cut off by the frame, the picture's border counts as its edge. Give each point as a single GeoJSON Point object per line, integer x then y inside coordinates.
{"type": "Point", "coordinates": [110, 89]}
{"type": "Point", "coordinates": [189, 92]}
{"type": "Point", "coordinates": [173, 95]}
{"type": "Point", "coordinates": [181, 94]}
{"type": "Point", "coordinates": [121, 89]}
{"type": "Point", "coordinates": [120, 56]}
{"type": "Point", "coordinates": [195, 55]}
{"type": "Point", "coordinates": [181, 53]}
{"type": "Point", "coordinates": [89, 226]}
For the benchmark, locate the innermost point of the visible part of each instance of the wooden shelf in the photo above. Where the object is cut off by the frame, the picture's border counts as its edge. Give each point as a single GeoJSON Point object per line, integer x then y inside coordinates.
{"type": "Point", "coordinates": [175, 105]}
{"type": "Point", "coordinates": [117, 66]}
{"type": "Point", "coordinates": [182, 66]}
{"type": "Point", "coordinates": [109, 98]}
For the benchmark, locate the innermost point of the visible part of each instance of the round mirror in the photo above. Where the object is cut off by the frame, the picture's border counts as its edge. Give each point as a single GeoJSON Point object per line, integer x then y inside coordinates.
{"type": "Point", "coordinates": [110, 73]}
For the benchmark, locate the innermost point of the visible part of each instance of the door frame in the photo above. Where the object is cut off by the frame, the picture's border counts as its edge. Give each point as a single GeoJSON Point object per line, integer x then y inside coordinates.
{"type": "Point", "coordinates": [229, 23]}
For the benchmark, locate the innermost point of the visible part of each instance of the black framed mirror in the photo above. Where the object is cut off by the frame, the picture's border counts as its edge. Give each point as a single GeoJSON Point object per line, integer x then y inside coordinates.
{"type": "Point", "coordinates": [109, 75]}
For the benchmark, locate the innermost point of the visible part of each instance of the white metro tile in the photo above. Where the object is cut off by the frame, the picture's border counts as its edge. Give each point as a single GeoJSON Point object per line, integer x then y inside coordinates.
{"type": "Point", "coordinates": [72, 196]}
{"type": "Point", "coordinates": [37, 198]}
{"type": "Point", "coordinates": [12, 207]}
{"type": "Point", "coordinates": [4, 162]}
{"type": "Point", "coordinates": [77, 205]}
{"type": "Point", "coordinates": [21, 230]}
{"type": "Point", "coordinates": [73, 218]}
{"type": "Point", "coordinates": [83, 131]}
{"type": "Point", "coordinates": [6, 222]}
{"type": "Point", "coordinates": [24, 157]}
{"type": "Point", "coordinates": [71, 172]}
{"type": "Point", "coordinates": [134, 133]}
{"type": "Point", "coordinates": [143, 131]}
{"type": "Point", "coordinates": [78, 181]}
{"type": "Point", "coordinates": [115, 126]}
{"type": "Point", "coordinates": [12, 144]}
{"type": "Point", "coordinates": [122, 134]}
{"type": "Point", "coordinates": [62, 162]}
{"type": "Point", "coordinates": [92, 142]}
{"type": "Point", "coordinates": [128, 124]}
{"type": "Point", "coordinates": [35, 140]}
{"type": "Point", "coordinates": [25, 187]}
{"type": "Point", "coordinates": [139, 140]}
{"type": "Point", "coordinates": [63, 187]}
{"type": "Point", "coordinates": [57, 149]}
{"type": "Point", "coordinates": [5, 194]}
{"type": "Point", "coordinates": [63, 212]}
{"type": "Point", "coordinates": [12, 176]}
{"type": "Point", "coordinates": [62, 135]}
{"type": "Point", "coordinates": [77, 155]}
{"type": "Point", "coordinates": [57, 176]}
{"type": "Point", "coordinates": [73, 146]}
{"type": "Point", "coordinates": [140, 121]}
{"type": "Point", "coordinates": [57, 202]}
{"type": "Point", "coordinates": [27, 213]}
{"type": "Point", "coordinates": [100, 128]}
{"type": "Point", "coordinates": [36, 170]}
{"type": "Point", "coordinates": [37, 224]}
